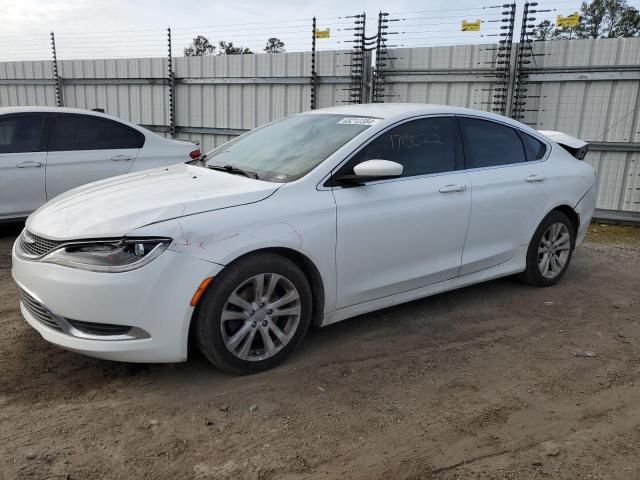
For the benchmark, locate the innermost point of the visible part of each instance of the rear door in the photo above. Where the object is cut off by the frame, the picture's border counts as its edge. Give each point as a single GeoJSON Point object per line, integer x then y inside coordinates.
{"type": "Point", "coordinates": [22, 160]}
{"type": "Point", "coordinates": [86, 148]}
{"type": "Point", "coordinates": [507, 175]}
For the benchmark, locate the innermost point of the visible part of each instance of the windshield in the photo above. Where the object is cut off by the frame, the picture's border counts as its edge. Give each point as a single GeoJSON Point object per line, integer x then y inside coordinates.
{"type": "Point", "coordinates": [288, 149]}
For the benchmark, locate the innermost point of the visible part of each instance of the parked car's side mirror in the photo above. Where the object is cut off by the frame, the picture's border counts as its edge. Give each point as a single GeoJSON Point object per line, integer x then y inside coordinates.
{"type": "Point", "coordinates": [368, 170]}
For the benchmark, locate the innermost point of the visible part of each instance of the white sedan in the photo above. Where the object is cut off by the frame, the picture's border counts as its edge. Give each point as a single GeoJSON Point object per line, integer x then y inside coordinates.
{"type": "Point", "coordinates": [314, 218]}
{"type": "Point", "coordinates": [45, 151]}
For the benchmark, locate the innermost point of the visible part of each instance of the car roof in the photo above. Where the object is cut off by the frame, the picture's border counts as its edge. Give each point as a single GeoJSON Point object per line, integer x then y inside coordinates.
{"type": "Point", "coordinates": [37, 109]}
{"type": "Point", "coordinates": [397, 111]}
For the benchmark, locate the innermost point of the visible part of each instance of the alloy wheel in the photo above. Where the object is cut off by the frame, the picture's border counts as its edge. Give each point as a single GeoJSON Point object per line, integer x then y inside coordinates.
{"type": "Point", "coordinates": [260, 317]}
{"type": "Point", "coordinates": [554, 249]}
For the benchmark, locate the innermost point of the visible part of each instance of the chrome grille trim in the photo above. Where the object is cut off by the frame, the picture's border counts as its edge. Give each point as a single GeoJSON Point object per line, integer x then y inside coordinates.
{"type": "Point", "coordinates": [35, 246]}
{"type": "Point", "coordinates": [39, 311]}
{"type": "Point", "coordinates": [102, 329]}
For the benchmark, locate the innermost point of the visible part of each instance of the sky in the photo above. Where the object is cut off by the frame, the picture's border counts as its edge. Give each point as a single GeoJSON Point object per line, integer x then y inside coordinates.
{"type": "Point", "coordinates": [120, 28]}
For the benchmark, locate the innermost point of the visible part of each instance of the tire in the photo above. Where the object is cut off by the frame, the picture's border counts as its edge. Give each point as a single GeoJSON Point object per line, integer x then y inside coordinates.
{"type": "Point", "coordinates": [240, 344]}
{"type": "Point", "coordinates": [541, 273]}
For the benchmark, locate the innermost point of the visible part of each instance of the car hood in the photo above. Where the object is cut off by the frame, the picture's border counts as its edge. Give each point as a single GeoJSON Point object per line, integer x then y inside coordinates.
{"type": "Point", "coordinates": [116, 206]}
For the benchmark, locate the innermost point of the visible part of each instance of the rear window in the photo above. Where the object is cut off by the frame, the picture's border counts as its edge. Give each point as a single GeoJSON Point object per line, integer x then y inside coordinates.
{"type": "Point", "coordinates": [489, 144]}
{"type": "Point", "coordinates": [535, 149]}
{"type": "Point", "coordinates": [83, 132]}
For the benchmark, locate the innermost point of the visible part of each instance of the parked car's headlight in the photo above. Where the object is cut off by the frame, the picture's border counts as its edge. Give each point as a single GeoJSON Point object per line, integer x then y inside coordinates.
{"type": "Point", "coordinates": [109, 256]}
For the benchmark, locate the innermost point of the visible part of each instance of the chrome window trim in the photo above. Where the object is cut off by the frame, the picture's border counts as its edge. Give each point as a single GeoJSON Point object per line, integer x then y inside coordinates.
{"type": "Point", "coordinates": [534, 134]}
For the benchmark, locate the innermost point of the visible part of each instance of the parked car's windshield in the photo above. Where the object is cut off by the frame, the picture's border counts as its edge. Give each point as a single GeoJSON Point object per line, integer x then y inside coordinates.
{"type": "Point", "coordinates": [289, 148]}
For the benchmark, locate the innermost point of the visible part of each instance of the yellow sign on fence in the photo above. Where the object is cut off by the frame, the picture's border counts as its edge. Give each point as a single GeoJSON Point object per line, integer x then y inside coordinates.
{"type": "Point", "coordinates": [470, 26]}
{"type": "Point", "coordinates": [326, 33]}
{"type": "Point", "coordinates": [569, 21]}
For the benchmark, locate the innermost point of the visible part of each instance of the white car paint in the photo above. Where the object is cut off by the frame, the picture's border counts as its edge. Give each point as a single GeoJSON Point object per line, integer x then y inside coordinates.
{"type": "Point", "coordinates": [380, 244]}
{"type": "Point", "coordinates": [29, 179]}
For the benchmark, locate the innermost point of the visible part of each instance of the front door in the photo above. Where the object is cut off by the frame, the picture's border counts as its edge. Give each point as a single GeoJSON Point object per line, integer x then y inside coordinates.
{"type": "Point", "coordinates": [404, 233]}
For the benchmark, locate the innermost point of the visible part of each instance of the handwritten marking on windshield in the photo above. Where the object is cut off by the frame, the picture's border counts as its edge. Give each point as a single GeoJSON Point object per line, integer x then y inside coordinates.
{"type": "Point", "coordinates": [399, 142]}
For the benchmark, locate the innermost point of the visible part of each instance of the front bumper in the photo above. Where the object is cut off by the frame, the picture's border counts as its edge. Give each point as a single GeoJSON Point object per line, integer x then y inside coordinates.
{"type": "Point", "coordinates": [153, 299]}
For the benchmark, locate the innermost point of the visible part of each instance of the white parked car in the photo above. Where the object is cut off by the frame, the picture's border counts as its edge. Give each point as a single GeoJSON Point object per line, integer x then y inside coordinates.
{"type": "Point", "coordinates": [45, 151]}
{"type": "Point", "coordinates": [316, 217]}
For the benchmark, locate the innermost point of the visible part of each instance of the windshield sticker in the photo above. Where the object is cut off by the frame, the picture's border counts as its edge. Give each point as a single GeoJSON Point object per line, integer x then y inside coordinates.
{"type": "Point", "coordinates": [358, 121]}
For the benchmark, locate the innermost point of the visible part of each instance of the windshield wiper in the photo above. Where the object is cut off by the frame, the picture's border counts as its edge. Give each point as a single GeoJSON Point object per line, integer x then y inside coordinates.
{"type": "Point", "coordinates": [234, 170]}
{"type": "Point", "coordinates": [198, 161]}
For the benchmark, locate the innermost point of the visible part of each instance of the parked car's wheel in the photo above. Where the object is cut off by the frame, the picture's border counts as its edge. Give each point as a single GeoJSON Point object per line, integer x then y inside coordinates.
{"type": "Point", "coordinates": [254, 314]}
{"type": "Point", "coordinates": [550, 250]}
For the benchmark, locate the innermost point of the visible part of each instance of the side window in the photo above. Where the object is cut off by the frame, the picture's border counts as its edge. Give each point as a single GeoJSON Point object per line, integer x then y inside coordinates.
{"type": "Point", "coordinates": [428, 145]}
{"type": "Point", "coordinates": [535, 148]}
{"type": "Point", "coordinates": [82, 132]}
{"type": "Point", "coordinates": [489, 144]}
{"type": "Point", "coordinates": [20, 133]}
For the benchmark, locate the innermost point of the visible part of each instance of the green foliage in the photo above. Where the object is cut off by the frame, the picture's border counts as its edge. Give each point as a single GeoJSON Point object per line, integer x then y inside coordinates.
{"type": "Point", "coordinates": [199, 47]}
{"type": "Point", "coordinates": [598, 19]}
{"type": "Point", "coordinates": [274, 45]}
{"type": "Point", "coordinates": [227, 48]}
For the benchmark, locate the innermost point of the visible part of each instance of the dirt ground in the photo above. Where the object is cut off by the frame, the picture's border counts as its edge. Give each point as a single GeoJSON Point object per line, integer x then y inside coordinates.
{"type": "Point", "coordinates": [478, 383]}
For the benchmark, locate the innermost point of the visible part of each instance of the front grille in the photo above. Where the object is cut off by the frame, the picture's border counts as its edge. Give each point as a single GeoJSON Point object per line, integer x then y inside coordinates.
{"type": "Point", "coordinates": [39, 311]}
{"type": "Point", "coordinates": [99, 328]}
{"type": "Point", "coordinates": [37, 246]}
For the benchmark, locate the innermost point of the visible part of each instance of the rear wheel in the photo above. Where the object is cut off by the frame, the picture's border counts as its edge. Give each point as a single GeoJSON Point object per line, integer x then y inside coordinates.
{"type": "Point", "coordinates": [254, 314]}
{"type": "Point", "coordinates": [550, 250]}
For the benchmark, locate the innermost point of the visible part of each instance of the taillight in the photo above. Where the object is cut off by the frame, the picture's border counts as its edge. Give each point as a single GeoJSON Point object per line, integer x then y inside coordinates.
{"type": "Point", "coordinates": [195, 154]}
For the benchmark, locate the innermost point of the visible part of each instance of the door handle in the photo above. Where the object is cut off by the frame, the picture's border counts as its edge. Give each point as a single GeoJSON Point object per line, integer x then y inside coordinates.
{"type": "Point", "coordinates": [29, 165]}
{"type": "Point", "coordinates": [534, 178]}
{"type": "Point", "coordinates": [453, 188]}
{"type": "Point", "coordinates": [121, 158]}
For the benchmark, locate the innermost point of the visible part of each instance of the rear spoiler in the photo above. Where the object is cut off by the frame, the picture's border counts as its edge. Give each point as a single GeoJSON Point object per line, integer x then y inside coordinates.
{"type": "Point", "coordinates": [576, 147]}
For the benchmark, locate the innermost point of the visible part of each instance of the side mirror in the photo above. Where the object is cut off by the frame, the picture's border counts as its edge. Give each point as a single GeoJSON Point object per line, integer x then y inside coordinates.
{"type": "Point", "coordinates": [373, 170]}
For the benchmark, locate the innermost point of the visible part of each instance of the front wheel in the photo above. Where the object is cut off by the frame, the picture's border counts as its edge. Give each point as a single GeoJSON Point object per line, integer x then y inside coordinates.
{"type": "Point", "coordinates": [550, 251]}
{"type": "Point", "coordinates": [254, 314]}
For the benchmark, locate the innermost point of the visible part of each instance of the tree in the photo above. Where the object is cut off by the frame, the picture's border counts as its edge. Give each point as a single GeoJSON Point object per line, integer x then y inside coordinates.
{"type": "Point", "coordinates": [598, 19]}
{"type": "Point", "coordinates": [543, 31]}
{"type": "Point", "coordinates": [199, 47]}
{"type": "Point", "coordinates": [230, 49]}
{"type": "Point", "coordinates": [274, 45]}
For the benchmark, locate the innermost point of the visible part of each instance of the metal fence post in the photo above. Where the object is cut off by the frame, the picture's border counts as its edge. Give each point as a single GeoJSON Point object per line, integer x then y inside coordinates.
{"type": "Point", "coordinates": [56, 73]}
{"type": "Point", "coordinates": [382, 57]}
{"type": "Point", "coordinates": [314, 78]}
{"type": "Point", "coordinates": [358, 58]}
{"type": "Point", "coordinates": [503, 61]}
{"type": "Point", "coordinates": [172, 88]}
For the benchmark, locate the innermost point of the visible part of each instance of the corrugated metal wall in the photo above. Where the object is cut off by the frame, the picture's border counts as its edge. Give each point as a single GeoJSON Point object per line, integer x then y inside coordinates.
{"type": "Point", "coordinates": [93, 84]}
{"type": "Point", "coordinates": [26, 83]}
{"type": "Point", "coordinates": [591, 89]}
{"type": "Point", "coordinates": [458, 75]}
{"type": "Point", "coordinates": [587, 88]}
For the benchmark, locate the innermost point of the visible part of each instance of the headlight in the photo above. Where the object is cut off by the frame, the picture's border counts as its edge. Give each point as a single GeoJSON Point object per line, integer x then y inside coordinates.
{"type": "Point", "coordinates": [109, 256]}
